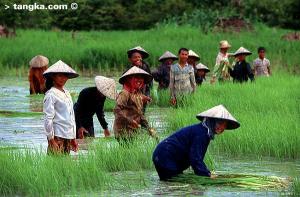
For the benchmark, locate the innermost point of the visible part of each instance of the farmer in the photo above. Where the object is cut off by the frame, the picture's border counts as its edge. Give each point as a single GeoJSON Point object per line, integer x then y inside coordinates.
{"type": "Point", "coordinates": [187, 146]}
{"type": "Point", "coordinates": [129, 117]}
{"type": "Point", "coordinates": [220, 71]}
{"type": "Point", "coordinates": [200, 73]}
{"type": "Point", "coordinates": [162, 75]}
{"type": "Point", "coordinates": [38, 65]}
{"type": "Point", "coordinates": [261, 64]}
{"type": "Point", "coordinates": [59, 120]}
{"type": "Point", "coordinates": [242, 70]}
{"type": "Point", "coordinates": [182, 77]}
{"type": "Point", "coordinates": [193, 58]}
{"type": "Point", "coordinates": [136, 56]}
{"type": "Point", "coordinates": [91, 101]}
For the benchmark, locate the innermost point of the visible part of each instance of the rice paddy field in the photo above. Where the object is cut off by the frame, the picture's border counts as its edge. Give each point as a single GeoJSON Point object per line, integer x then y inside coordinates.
{"type": "Point", "coordinates": [261, 158]}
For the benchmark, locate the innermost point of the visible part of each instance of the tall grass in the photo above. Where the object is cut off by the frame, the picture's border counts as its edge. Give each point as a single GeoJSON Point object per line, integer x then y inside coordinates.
{"type": "Point", "coordinates": [267, 109]}
{"type": "Point", "coordinates": [102, 51]}
{"type": "Point", "coordinates": [102, 168]}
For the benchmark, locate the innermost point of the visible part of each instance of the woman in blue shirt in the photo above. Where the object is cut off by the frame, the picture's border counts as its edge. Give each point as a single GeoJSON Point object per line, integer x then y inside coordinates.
{"type": "Point", "coordinates": [187, 146]}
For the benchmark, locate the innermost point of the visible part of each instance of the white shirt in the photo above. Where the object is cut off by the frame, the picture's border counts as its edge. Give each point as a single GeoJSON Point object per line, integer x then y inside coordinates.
{"type": "Point", "coordinates": [59, 114]}
{"type": "Point", "coordinates": [261, 66]}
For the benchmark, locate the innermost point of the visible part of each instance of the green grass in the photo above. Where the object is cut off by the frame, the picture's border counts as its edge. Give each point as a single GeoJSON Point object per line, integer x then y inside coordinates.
{"type": "Point", "coordinates": [13, 114]}
{"type": "Point", "coordinates": [104, 167]}
{"type": "Point", "coordinates": [86, 54]}
{"type": "Point", "coordinates": [296, 186]}
{"type": "Point", "coordinates": [268, 111]}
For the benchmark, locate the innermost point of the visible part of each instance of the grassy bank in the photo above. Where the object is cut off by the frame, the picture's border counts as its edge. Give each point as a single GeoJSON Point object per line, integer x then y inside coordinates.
{"type": "Point", "coordinates": [268, 111]}
{"type": "Point", "coordinates": [102, 51]}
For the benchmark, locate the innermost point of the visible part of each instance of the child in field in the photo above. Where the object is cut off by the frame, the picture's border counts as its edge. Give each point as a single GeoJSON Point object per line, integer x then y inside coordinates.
{"type": "Point", "coordinates": [128, 112]}
{"type": "Point", "coordinates": [261, 64]}
{"type": "Point", "coordinates": [59, 120]}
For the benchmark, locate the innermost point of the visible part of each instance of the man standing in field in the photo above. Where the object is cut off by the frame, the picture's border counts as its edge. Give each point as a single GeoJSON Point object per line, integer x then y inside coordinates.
{"type": "Point", "coordinates": [261, 64]}
{"type": "Point", "coordinates": [182, 77]}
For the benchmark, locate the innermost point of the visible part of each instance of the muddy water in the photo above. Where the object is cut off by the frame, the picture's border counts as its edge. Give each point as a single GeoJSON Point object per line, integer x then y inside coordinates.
{"type": "Point", "coordinates": [28, 131]}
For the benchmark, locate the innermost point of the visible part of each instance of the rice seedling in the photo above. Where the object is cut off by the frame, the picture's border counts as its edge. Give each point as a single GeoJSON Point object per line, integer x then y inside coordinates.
{"type": "Point", "coordinates": [13, 114]}
{"type": "Point", "coordinates": [245, 181]}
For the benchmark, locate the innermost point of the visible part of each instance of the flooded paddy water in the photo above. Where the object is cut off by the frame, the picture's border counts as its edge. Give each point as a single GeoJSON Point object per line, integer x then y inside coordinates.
{"type": "Point", "coordinates": [21, 126]}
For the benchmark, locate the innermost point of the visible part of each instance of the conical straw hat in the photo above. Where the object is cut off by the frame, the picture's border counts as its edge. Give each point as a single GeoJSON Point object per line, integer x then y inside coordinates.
{"type": "Point", "coordinates": [38, 61]}
{"type": "Point", "coordinates": [167, 55]}
{"type": "Point", "coordinates": [242, 50]}
{"type": "Point", "coordinates": [61, 67]}
{"type": "Point", "coordinates": [203, 67]}
{"type": "Point", "coordinates": [220, 112]}
{"type": "Point", "coordinates": [193, 54]}
{"type": "Point", "coordinates": [139, 49]}
{"type": "Point", "coordinates": [106, 86]}
{"type": "Point", "coordinates": [136, 71]}
{"type": "Point", "coordinates": [224, 44]}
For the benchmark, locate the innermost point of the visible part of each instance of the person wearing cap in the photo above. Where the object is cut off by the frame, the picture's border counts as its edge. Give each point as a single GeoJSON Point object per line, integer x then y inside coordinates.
{"type": "Point", "coordinates": [193, 58]}
{"type": "Point", "coordinates": [162, 75]}
{"type": "Point", "coordinates": [220, 71]}
{"type": "Point", "coordinates": [261, 65]}
{"type": "Point", "coordinates": [91, 101]}
{"type": "Point", "coordinates": [200, 73]}
{"type": "Point", "coordinates": [38, 65]}
{"type": "Point", "coordinates": [59, 118]}
{"type": "Point", "coordinates": [242, 70]}
{"type": "Point", "coordinates": [129, 116]}
{"type": "Point", "coordinates": [136, 58]}
{"type": "Point", "coordinates": [187, 146]}
{"type": "Point", "coordinates": [182, 77]}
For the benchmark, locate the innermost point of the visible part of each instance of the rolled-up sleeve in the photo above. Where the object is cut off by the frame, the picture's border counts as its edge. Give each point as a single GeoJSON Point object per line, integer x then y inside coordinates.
{"type": "Point", "coordinates": [172, 81]}
{"type": "Point", "coordinates": [49, 113]}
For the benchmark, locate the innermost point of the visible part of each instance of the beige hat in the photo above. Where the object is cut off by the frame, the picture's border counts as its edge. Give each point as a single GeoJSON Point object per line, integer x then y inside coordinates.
{"type": "Point", "coordinates": [193, 54]}
{"type": "Point", "coordinates": [203, 67]}
{"type": "Point", "coordinates": [167, 55]}
{"type": "Point", "coordinates": [106, 86]}
{"type": "Point", "coordinates": [136, 71]}
{"type": "Point", "coordinates": [38, 61]}
{"type": "Point", "coordinates": [61, 67]}
{"type": "Point", "coordinates": [220, 112]}
{"type": "Point", "coordinates": [224, 44]}
{"type": "Point", "coordinates": [242, 50]}
{"type": "Point", "coordinates": [139, 49]}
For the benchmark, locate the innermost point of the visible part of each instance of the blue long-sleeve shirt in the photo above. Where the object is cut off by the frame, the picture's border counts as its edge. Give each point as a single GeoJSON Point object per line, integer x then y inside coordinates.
{"type": "Point", "coordinates": [184, 148]}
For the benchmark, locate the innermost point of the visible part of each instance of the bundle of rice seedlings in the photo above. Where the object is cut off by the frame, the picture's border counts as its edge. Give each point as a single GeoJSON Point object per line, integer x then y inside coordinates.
{"type": "Point", "coordinates": [246, 181]}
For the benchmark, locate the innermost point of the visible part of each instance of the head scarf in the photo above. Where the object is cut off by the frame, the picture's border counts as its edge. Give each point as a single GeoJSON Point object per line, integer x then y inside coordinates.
{"type": "Point", "coordinates": [210, 124]}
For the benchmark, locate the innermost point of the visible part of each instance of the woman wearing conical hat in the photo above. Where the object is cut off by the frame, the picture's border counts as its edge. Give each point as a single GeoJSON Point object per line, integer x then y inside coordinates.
{"type": "Point", "coordinates": [136, 57]}
{"type": "Point", "coordinates": [90, 102]}
{"type": "Point", "coordinates": [242, 69]}
{"type": "Point", "coordinates": [129, 116]}
{"type": "Point", "coordinates": [59, 121]}
{"type": "Point", "coordinates": [200, 73]}
{"type": "Point", "coordinates": [162, 75]}
{"type": "Point", "coordinates": [38, 65]}
{"type": "Point", "coordinates": [193, 58]}
{"type": "Point", "coordinates": [220, 71]}
{"type": "Point", "coordinates": [187, 146]}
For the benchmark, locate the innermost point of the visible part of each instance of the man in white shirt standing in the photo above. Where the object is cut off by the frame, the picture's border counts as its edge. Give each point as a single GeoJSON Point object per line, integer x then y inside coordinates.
{"type": "Point", "coordinates": [261, 64]}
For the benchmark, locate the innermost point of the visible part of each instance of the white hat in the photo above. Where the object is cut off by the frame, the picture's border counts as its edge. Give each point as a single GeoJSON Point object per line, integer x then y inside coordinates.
{"type": "Point", "coordinates": [224, 44]}
{"type": "Point", "coordinates": [136, 71]}
{"type": "Point", "coordinates": [106, 86]}
{"type": "Point", "coordinates": [139, 49]}
{"type": "Point", "coordinates": [167, 55]}
{"type": "Point", "coordinates": [203, 67]}
{"type": "Point", "coordinates": [193, 54]}
{"type": "Point", "coordinates": [38, 61]}
{"type": "Point", "coordinates": [61, 67]}
{"type": "Point", "coordinates": [242, 50]}
{"type": "Point", "coordinates": [220, 112]}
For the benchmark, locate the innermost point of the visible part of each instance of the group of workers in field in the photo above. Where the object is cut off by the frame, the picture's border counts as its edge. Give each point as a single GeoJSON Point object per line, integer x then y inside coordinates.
{"type": "Point", "coordinates": [65, 122]}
